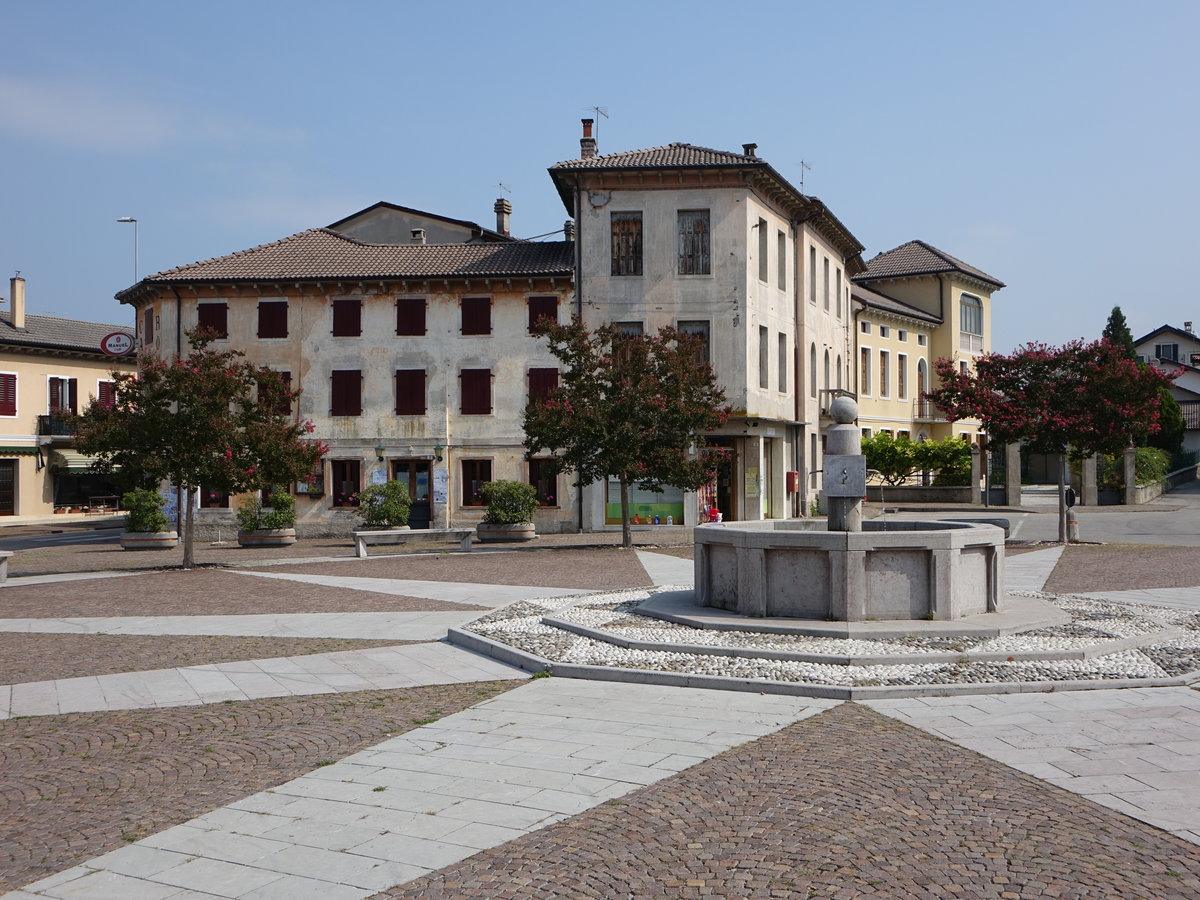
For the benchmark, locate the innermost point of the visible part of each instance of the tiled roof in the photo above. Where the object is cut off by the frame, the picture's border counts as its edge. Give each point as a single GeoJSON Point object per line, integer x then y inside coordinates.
{"type": "Point", "coordinates": [323, 254]}
{"type": "Point", "coordinates": [920, 258]}
{"type": "Point", "coordinates": [677, 155]}
{"type": "Point", "coordinates": [876, 300]}
{"type": "Point", "coordinates": [53, 333]}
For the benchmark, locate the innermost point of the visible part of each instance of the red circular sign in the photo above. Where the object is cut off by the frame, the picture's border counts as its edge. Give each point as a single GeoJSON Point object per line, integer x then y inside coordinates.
{"type": "Point", "coordinates": [118, 343]}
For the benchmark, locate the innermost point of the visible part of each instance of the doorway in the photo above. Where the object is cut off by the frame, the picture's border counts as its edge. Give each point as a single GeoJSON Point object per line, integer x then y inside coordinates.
{"type": "Point", "coordinates": [8, 487]}
{"type": "Point", "coordinates": [415, 474]}
{"type": "Point", "coordinates": [726, 477]}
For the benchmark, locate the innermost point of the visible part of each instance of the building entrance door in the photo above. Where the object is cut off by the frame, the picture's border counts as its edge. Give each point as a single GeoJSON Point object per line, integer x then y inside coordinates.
{"type": "Point", "coordinates": [415, 474]}
{"type": "Point", "coordinates": [726, 478]}
{"type": "Point", "coordinates": [8, 487]}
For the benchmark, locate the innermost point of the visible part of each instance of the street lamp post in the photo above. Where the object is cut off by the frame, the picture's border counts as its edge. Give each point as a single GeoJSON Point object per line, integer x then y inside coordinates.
{"type": "Point", "coordinates": [127, 220]}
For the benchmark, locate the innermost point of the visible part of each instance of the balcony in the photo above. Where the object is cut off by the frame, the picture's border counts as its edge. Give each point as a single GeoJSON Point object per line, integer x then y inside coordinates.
{"type": "Point", "coordinates": [828, 395]}
{"type": "Point", "coordinates": [927, 411]}
{"type": "Point", "coordinates": [970, 343]}
{"type": "Point", "coordinates": [54, 426]}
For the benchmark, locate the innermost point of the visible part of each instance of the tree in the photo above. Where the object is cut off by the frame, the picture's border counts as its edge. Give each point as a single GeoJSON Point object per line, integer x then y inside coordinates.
{"type": "Point", "coordinates": [896, 459]}
{"type": "Point", "coordinates": [210, 418]}
{"type": "Point", "coordinates": [1171, 426]}
{"type": "Point", "coordinates": [1088, 398]}
{"type": "Point", "coordinates": [1117, 332]}
{"type": "Point", "coordinates": [629, 408]}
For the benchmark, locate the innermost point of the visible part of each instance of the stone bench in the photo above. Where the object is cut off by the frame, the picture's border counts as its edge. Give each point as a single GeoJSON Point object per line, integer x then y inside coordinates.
{"type": "Point", "coordinates": [4, 555]}
{"type": "Point", "coordinates": [363, 539]}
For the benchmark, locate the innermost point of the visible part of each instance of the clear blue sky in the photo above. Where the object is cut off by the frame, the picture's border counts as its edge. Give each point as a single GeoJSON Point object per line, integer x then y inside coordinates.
{"type": "Point", "coordinates": [1053, 145]}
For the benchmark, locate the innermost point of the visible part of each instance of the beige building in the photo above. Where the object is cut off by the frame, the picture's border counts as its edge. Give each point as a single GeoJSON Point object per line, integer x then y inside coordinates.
{"type": "Point", "coordinates": [50, 367]}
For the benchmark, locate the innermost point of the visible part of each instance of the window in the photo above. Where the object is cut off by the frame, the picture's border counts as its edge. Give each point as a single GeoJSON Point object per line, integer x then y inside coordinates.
{"type": "Point", "coordinates": [864, 327]}
{"type": "Point", "coordinates": [410, 316]}
{"type": "Point", "coordinates": [345, 395]}
{"type": "Point", "coordinates": [970, 319]}
{"type": "Point", "coordinates": [544, 481]}
{"type": "Point", "coordinates": [272, 319]}
{"type": "Point", "coordinates": [214, 317]}
{"type": "Point", "coordinates": [837, 297]}
{"type": "Point", "coordinates": [1167, 352]}
{"type": "Point", "coordinates": [475, 388]}
{"type": "Point", "coordinates": [347, 318]}
{"type": "Point", "coordinates": [763, 356]}
{"type": "Point", "coordinates": [902, 376]}
{"type": "Point", "coordinates": [8, 394]}
{"type": "Point", "coordinates": [346, 475]}
{"type": "Point", "coordinates": [782, 362]}
{"type": "Point", "coordinates": [826, 258]}
{"type": "Point", "coordinates": [812, 275]}
{"type": "Point", "coordinates": [864, 375]}
{"type": "Point", "coordinates": [211, 498]}
{"type": "Point", "coordinates": [628, 329]}
{"type": "Point", "coordinates": [922, 340]}
{"type": "Point", "coordinates": [781, 258]}
{"type": "Point", "coordinates": [475, 474]}
{"type": "Point", "coordinates": [812, 370]}
{"type": "Point", "coordinates": [812, 458]}
{"type": "Point", "coordinates": [901, 335]}
{"type": "Point", "coordinates": [542, 309]}
{"type": "Point", "coordinates": [697, 330]}
{"type": "Point", "coordinates": [884, 331]}
{"type": "Point", "coordinates": [963, 368]}
{"type": "Point", "coordinates": [825, 382]}
{"type": "Point", "coordinates": [410, 392]}
{"type": "Point", "coordinates": [922, 378]}
{"type": "Point", "coordinates": [106, 393]}
{"type": "Point", "coordinates": [695, 256]}
{"type": "Point", "coordinates": [476, 315]}
{"type": "Point", "coordinates": [542, 382]}
{"type": "Point", "coordinates": [285, 402]}
{"type": "Point", "coordinates": [627, 243]}
{"type": "Point", "coordinates": [839, 371]}
{"type": "Point", "coordinates": [148, 325]}
{"type": "Point", "coordinates": [63, 395]}
{"type": "Point", "coordinates": [884, 373]}
{"type": "Point", "coordinates": [764, 267]}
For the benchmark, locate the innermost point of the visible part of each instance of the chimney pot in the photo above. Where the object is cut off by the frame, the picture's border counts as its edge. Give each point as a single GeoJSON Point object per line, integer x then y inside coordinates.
{"type": "Point", "coordinates": [503, 210]}
{"type": "Point", "coordinates": [748, 149]}
{"type": "Point", "coordinates": [587, 143]}
{"type": "Point", "coordinates": [418, 236]}
{"type": "Point", "coordinates": [16, 290]}
{"type": "Point", "coordinates": [1187, 326]}
{"type": "Point", "coordinates": [569, 229]}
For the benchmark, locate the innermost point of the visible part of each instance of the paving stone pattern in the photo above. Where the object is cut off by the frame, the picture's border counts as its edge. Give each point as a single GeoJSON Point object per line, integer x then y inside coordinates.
{"type": "Point", "coordinates": [1118, 567]}
{"type": "Point", "coordinates": [75, 786]}
{"type": "Point", "coordinates": [846, 804]}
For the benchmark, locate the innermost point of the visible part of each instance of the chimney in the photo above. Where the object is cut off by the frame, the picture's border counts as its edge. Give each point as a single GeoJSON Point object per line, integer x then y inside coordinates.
{"type": "Point", "coordinates": [587, 143]}
{"type": "Point", "coordinates": [418, 236]}
{"type": "Point", "coordinates": [1187, 326]}
{"type": "Point", "coordinates": [569, 229]}
{"type": "Point", "coordinates": [503, 210]}
{"type": "Point", "coordinates": [16, 289]}
{"type": "Point", "coordinates": [748, 149]}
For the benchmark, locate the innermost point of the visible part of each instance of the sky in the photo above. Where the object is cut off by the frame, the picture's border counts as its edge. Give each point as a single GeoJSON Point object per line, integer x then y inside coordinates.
{"type": "Point", "coordinates": [1051, 144]}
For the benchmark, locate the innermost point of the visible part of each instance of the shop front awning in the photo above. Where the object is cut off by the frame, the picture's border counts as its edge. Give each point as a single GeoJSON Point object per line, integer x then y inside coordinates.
{"type": "Point", "coordinates": [19, 450]}
{"type": "Point", "coordinates": [70, 461]}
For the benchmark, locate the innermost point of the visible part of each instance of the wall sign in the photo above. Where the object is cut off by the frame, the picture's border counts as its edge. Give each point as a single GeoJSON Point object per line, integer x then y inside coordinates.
{"type": "Point", "coordinates": [117, 343]}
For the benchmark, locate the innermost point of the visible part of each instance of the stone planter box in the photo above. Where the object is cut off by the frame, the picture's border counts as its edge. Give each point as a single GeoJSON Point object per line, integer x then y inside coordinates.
{"type": "Point", "coordinates": [149, 540]}
{"type": "Point", "coordinates": [267, 537]}
{"type": "Point", "coordinates": [507, 532]}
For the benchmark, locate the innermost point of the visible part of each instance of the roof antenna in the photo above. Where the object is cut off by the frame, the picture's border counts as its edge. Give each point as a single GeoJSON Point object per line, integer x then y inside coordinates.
{"type": "Point", "coordinates": [803, 168]}
{"type": "Point", "coordinates": [599, 111]}
{"type": "Point", "coordinates": [504, 188]}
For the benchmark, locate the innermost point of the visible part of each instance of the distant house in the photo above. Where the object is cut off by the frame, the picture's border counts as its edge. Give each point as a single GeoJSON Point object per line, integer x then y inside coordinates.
{"type": "Point", "coordinates": [50, 367]}
{"type": "Point", "coordinates": [1174, 349]}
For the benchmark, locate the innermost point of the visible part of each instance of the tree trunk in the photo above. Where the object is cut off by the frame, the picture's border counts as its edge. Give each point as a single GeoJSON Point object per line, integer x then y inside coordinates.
{"type": "Point", "coordinates": [189, 523]}
{"type": "Point", "coordinates": [1062, 497]}
{"type": "Point", "coordinates": [626, 528]}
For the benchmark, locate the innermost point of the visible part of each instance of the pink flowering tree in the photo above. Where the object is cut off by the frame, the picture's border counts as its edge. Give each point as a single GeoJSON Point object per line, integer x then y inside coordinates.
{"type": "Point", "coordinates": [210, 418]}
{"type": "Point", "coordinates": [1078, 398]}
{"type": "Point", "coordinates": [633, 408]}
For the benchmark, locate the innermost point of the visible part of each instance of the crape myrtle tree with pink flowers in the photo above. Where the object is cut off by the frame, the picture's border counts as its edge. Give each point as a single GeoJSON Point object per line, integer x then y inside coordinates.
{"type": "Point", "coordinates": [209, 418]}
{"type": "Point", "coordinates": [1078, 399]}
{"type": "Point", "coordinates": [630, 407]}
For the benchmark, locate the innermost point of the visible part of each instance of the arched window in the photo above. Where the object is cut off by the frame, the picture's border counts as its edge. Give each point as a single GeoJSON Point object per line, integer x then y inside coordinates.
{"type": "Point", "coordinates": [922, 378]}
{"type": "Point", "coordinates": [825, 384]}
{"type": "Point", "coordinates": [812, 370]}
{"type": "Point", "coordinates": [839, 372]}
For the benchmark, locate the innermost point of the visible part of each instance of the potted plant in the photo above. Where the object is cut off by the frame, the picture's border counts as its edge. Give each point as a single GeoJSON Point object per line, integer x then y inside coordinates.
{"type": "Point", "coordinates": [273, 526]}
{"type": "Point", "coordinates": [510, 509]}
{"type": "Point", "coordinates": [384, 505]}
{"type": "Point", "coordinates": [145, 522]}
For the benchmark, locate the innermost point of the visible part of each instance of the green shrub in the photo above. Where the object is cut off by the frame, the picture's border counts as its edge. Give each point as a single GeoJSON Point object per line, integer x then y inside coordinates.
{"type": "Point", "coordinates": [509, 502]}
{"type": "Point", "coordinates": [385, 505]}
{"type": "Point", "coordinates": [253, 516]}
{"type": "Point", "coordinates": [1150, 465]}
{"type": "Point", "coordinates": [143, 511]}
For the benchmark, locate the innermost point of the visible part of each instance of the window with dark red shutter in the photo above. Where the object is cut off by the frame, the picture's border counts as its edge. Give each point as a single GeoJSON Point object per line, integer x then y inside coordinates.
{"type": "Point", "coordinates": [346, 393]}
{"type": "Point", "coordinates": [106, 393]}
{"type": "Point", "coordinates": [64, 395]}
{"type": "Point", "coordinates": [148, 325]}
{"type": "Point", "coordinates": [8, 395]}
{"type": "Point", "coordinates": [476, 315]}
{"type": "Point", "coordinates": [476, 389]}
{"type": "Point", "coordinates": [214, 316]}
{"type": "Point", "coordinates": [475, 474]}
{"type": "Point", "coordinates": [347, 318]}
{"type": "Point", "coordinates": [285, 403]}
{"type": "Point", "coordinates": [410, 392]}
{"type": "Point", "coordinates": [542, 308]}
{"type": "Point", "coordinates": [272, 319]}
{"type": "Point", "coordinates": [542, 382]}
{"type": "Point", "coordinates": [410, 316]}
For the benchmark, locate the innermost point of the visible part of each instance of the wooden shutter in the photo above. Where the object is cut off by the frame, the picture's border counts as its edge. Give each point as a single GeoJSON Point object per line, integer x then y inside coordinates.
{"type": "Point", "coordinates": [148, 325]}
{"type": "Point", "coordinates": [694, 244]}
{"type": "Point", "coordinates": [627, 243]}
{"type": "Point", "coordinates": [410, 316]}
{"type": "Point", "coordinates": [542, 382]}
{"type": "Point", "coordinates": [345, 394]}
{"type": "Point", "coordinates": [476, 315]}
{"type": "Point", "coordinates": [272, 319]}
{"type": "Point", "coordinates": [73, 395]}
{"type": "Point", "coordinates": [347, 318]}
{"type": "Point", "coordinates": [214, 316]}
{"type": "Point", "coordinates": [410, 392]}
{"type": "Point", "coordinates": [106, 393]}
{"type": "Point", "coordinates": [475, 387]}
{"type": "Point", "coordinates": [542, 308]}
{"type": "Point", "coordinates": [8, 395]}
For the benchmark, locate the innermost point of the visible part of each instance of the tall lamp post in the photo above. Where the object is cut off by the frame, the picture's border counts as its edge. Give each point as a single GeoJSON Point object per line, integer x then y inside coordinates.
{"type": "Point", "coordinates": [127, 220]}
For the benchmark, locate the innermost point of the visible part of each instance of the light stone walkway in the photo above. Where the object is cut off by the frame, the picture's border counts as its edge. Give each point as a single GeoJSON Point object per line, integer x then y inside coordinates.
{"type": "Point", "coordinates": [665, 569]}
{"type": "Point", "coordinates": [1176, 598]}
{"type": "Point", "coordinates": [438, 794]}
{"type": "Point", "coordinates": [1136, 751]}
{"type": "Point", "coordinates": [1030, 571]}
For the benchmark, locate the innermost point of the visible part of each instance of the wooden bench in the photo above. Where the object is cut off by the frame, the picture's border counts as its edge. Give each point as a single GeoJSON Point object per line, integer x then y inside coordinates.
{"type": "Point", "coordinates": [4, 555]}
{"type": "Point", "coordinates": [363, 539]}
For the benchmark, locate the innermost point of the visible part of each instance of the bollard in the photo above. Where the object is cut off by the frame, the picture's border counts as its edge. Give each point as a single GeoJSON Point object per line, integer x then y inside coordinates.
{"type": "Point", "coordinates": [1072, 527]}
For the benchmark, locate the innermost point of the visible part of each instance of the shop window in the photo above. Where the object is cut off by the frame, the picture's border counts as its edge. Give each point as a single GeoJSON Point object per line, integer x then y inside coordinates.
{"type": "Point", "coordinates": [475, 474]}
{"type": "Point", "coordinates": [346, 475]}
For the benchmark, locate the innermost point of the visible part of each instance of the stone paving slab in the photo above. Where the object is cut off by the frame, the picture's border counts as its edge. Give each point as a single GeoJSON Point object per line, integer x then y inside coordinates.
{"type": "Point", "coordinates": [318, 673]}
{"type": "Point", "coordinates": [409, 805]}
{"type": "Point", "coordinates": [665, 569]}
{"type": "Point", "coordinates": [1176, 598]}
{"type": "Point", "coordinates": [1030, 571]}
{"type": "Point", "coordinates": [1136, 750]}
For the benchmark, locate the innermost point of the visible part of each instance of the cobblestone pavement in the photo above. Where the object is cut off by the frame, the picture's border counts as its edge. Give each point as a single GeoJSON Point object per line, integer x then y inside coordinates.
{"type": "Point", "coordinates": [845, 804]}
{"type": "Point", "coordinates": [78, 785]}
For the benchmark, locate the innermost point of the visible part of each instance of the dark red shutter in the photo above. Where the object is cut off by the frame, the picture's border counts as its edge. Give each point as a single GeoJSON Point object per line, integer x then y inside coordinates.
{"type": "Point", "coordinates": [410, 316]}
{"type": "Point", "coordinates": [272, 319]}
{"type": "Point", "coordinates": [542, 308]}
{"type": "Point", "coordinates": [214, 316]}
{"type": "Point", "coordinates": [148, 325]}
{"type": "Point", "coordinates": [107, 393]}
{"type": "Point", "coordinates": [410, 392]}
{"type": "Point", "coordinates": [346, 393]}
{"type": "Point", "coordinates": [56, 395]}
{"type": "Point", "coordinates": [476, 389]}
{"type": "Point", "coordinates": [8, 395]}
{"type": "Point", "coordinates": [347, 318]}
{"type": "Point", "coordinates": [285, 408]}
{"type": "Point", "coordinates": [542, 382]}
{"type": "Point", "coordinates": [73, 394]}
{"type": "Point", "coordinates": [476, 315]}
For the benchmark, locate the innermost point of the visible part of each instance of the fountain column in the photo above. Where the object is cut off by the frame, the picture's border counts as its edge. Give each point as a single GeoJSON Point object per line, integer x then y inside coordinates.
{"type": "Point", "coordinates": [845, 468]}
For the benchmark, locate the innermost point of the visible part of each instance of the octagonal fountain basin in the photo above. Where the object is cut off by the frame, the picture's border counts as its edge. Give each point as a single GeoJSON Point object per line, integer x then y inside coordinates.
{"type": "Point", "coordinates": [888, 571]}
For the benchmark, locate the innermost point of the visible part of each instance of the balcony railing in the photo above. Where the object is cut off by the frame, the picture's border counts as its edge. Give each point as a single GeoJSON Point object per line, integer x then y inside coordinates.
{"type": "Point", "coordinates": [927, 411]}
{"type": "Point", "coordinates": [54, 426]}
{"type": "Point", "coordinates": [970, 343]}
{"type": "Point", "coordinates": [828, 395]}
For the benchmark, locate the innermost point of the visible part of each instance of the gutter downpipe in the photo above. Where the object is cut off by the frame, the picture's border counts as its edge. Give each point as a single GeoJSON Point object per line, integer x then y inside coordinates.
{"type": "Point", "coordinates": [578, 279]}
